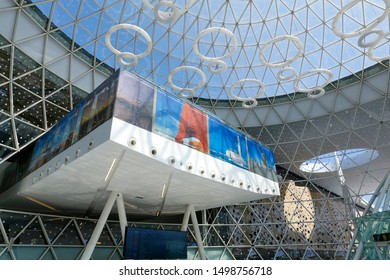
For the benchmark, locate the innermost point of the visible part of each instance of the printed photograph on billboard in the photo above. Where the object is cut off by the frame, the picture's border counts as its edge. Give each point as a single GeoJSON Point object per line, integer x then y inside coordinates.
{"type": "Point", "coordinates": [193, 129]}
{"type": "Point", "coordinates": [57, 139]}
{"type": "Point", "coordinates": [98, 106]}
{"type": "Point", "coordinates": [181, 122]}
{"type": "Point", "coordinates": [227, 144]}
{"type": "Point", "coordinates": [93, 111]}
{"type": "Point", "coordinates": [260, 159]}
{"type": "Point", "coordinates": [134, 102]}
{"type": "Point", "coordinates": [167, 115]}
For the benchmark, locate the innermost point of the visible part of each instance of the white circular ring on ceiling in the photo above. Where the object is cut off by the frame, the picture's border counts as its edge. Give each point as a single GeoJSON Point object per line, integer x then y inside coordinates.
{"type": "Point", "coordinates": [249, 103]}
{"type": "Point", "coordinates": [210, 30]}
{"type": "Point", "coordinates": [312, 94]}
{"type": "Point", "coordinates": [288, 77]}
{"type": "Point", "coordinates": [147, 4]}
{"type": "Point", "coordinates": [292, 38]}
{"type": "Point", "coordinates": [191, 90]}
{"type": "Point", "coordinates": [372, 43]}
{"type": "Point", "coordinates": [125, 55]}
{"type": "Point", "coordinates": [252, 100]}
{"type": "Point", "coordinates": [217, 66]}
{"type": "Point", "coordinates": [310, 73]}
{"type": "Point", "coordinates": [186, 7]}
{"type": "Point", "coordinates": [166, 17]}
{"type": "Point", "coordinates": [363, 31]}
{"type": "Point", "coordinates": [187, 92]}
{"type": "Point", "coordinates": [128, 54]}
{"type": "Point", "coordinates": [371, 49]}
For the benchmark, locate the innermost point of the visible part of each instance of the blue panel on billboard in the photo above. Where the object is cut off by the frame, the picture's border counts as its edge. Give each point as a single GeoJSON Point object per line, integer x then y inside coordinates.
{"type": "Point", "coordinates": [260, 154]}
{"type": "Point", "coordinates": [167, 115]}
{"type": "Point", "coordinates": [261, 159]}
{"type": "Point", "coordinates": [227, 144]}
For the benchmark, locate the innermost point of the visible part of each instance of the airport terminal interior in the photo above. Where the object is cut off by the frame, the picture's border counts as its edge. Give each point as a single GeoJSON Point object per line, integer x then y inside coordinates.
{"type": "Point", "coordinates": [194, 129]}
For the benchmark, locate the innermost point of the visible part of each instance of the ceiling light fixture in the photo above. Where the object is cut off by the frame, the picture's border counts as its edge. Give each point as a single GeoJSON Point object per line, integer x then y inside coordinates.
{"type": "Point", "coordinates": [39, 202]}
{"type": "Point", "coordinates": [109, 170]}
{"type": "Point", "coordinates": [163, 190]}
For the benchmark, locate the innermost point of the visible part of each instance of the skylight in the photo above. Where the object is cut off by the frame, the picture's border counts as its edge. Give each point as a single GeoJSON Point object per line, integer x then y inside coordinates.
{"type": "Point", "coordinates": [288, 45]}
{"type": "Point", "coordinates": [346, 159]}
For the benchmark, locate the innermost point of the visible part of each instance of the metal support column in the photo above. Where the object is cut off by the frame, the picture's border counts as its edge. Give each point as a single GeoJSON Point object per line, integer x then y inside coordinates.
{"type": "Point", "coordinates": [8, 242]}
{"type": "Point", "coordinates": [349, 204]}
{"type": "Point", "coordinates": [99, 226]}
{"type": "Point", "coordinates": [186, 217]}
{"type": "Point", "coordinates": [198, 237]}
{"type": "Point", "coordinates": [380, 197]}
{"type": "Point", "coordinates": [122, 214]}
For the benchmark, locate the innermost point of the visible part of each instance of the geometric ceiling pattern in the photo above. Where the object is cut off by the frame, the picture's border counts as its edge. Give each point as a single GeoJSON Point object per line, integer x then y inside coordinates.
{"type": "Point", "coordinates": [303, 223]}
{"type": "Point", "coordinates": [310, 79]}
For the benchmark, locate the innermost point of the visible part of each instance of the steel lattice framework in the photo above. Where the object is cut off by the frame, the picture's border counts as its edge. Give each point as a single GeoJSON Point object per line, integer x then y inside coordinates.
{"type": "Point", "coordinates": [307, 78]}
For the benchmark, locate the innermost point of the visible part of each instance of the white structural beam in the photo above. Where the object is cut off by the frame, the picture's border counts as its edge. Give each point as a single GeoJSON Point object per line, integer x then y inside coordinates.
{"type": "Point", "coordinates": [186, 217]}
{"type": "Point", "coordinates": [198, 237]}
{"type": "Point", "coordinates": [99, 226]}
{"type": "Point", "coordinates": [349, 204]}
{"type": "Point", "coordinates": [122, 214]}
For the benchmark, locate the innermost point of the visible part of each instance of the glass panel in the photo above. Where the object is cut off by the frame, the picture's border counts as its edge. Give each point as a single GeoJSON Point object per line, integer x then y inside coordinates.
{"type": "Point", "coordinates": [48, 256]}
{"type": "Point", "coordinates": [102, 253]}
{"type": "Point", "coordinates": [117, 256]}
{"type": "Point", "coordinates": [23, 98]}
{"type": "Point", "coordinates": [4, 64]}
{"type": "Point", "coordinates": [6, 135]}
{"type": "Point", "coordinates": [23, 64]}
{"type": "Point", "coordinates": [28, 253]}
{"type": "Point", "coordinates": [34, 115]}
{"type": "Point", "coordinates": [77, 95]}
{"type": "Point", "coordinates": [116, 232]}
{"type": "Point", "coordinates": [31, 81]}
{"type": "Point", "coordinates": [68, 253]}
{"type": "Point", "coordinates": [26, 133]}
{"type": "Point", "coordinates": [5, 256]}
{"type": "Point", "coordinates": [4, 98]}
{"type": "Point", "coordinates": [14, 223]}
{"type": "Point", "coordinates": [33, 234]}
{"type": "Point", "coordinates": [69, 236]}
{"type": "Point", "coordinates": [53, 113]}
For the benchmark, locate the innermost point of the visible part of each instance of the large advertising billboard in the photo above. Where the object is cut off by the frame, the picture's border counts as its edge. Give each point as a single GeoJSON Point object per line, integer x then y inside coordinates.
{"type": "Point", "coordinates": [90, 113]}
{"type": "Point", "coordinates": [136, 101]}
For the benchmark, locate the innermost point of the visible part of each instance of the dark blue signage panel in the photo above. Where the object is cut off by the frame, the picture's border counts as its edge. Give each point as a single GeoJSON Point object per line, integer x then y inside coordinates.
{"type": "Point", "coordinates": [154, 244]}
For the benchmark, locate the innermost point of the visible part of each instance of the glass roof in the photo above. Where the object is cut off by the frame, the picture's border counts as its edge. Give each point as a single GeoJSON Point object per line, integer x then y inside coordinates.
{"type": "Point", "coordinates": [345, 159]}
{"type": "Point", "coordinates": [226, 55]}
{"type": "Point", "coordinates": [242, 49]}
